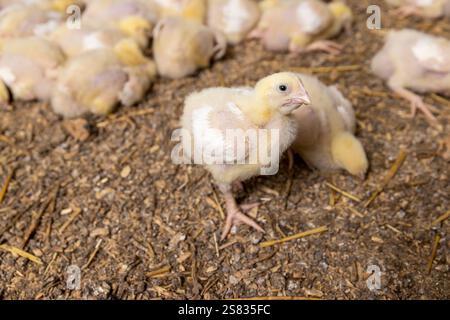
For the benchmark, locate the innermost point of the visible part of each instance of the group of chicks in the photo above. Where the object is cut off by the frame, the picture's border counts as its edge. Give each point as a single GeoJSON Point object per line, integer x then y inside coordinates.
{"type": "Point", "coordinates": [314, 120]}
{"type": "Point", "coordinates": [89, 56]}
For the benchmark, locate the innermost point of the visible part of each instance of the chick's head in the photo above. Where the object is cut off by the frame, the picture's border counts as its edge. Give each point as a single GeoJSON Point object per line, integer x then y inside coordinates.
{"type": "Point", "coordinates": [282, 92]}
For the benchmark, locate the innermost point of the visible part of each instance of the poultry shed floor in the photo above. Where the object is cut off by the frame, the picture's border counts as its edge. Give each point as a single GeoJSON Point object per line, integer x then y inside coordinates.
{"type": "Point", "coordinates": [101, 198]}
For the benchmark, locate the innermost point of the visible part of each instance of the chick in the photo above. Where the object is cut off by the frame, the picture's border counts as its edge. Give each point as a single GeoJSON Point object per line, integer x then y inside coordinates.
{"type": "Point", "coordinates": [135, 18]}
{"type": "Point", "coordinates": [181, 47]}
{"type": "Point", "coordinates": [4, 94]}
{"type": "Point", "coordinates": [211, 114]}
{"type": "Point", "coordinates": [98, 80]}
{"type": "Point", "coordinates": [302, 25]}
{"type": "Point", "coordinates": [414, 60]}
{"type": "Point", "coordinates": [235, 18]}
{"type": "Point", "coordinates": [325, 137]}
{"type": "Point", "coordinates": [76, 41]}
{"type": "Point", "coordinates": [28, 66]}
{"type": "Point", "coordinates": [26, 20]}
{"type": "Point", "coordinates": [421, 8]}
{"type": "Point", "coordinates": [193, 10]}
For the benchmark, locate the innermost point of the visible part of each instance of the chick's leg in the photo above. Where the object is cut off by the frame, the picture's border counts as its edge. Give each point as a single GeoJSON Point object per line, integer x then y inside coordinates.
{"type": "Point", "coordinates": [416, 103]}
{"type": "Point", "coordinates": [234, 212]}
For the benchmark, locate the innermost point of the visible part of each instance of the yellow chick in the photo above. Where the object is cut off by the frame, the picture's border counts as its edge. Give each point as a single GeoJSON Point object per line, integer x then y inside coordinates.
{"type": "Point", "coordinates": [193, 10]}
{"type": "Point", "coordinates": [325, 137]}
{"type": "Point", "coordinates": [413, 60]}
{"type": "Point", "coordinates": [20, 20]}
{"type": "Point", "coordinates": [182, 47]}
{"type": "Point", "coordinates": [235, 18]}
{"type": "Point", "coordinates": [421, 8]}
{"type": "Point", "coordinates": [224, 130]}
{"type": "Point", "coordinates": [302, 25]}
{"type": "Point", "coordinates": [4, 93]}
{"type": "Point", "coordinates": [98, 80]}
{"type": "Point", "coordinates": [28, 67]}
{"type": "Point", "coordinates": [135, 18]}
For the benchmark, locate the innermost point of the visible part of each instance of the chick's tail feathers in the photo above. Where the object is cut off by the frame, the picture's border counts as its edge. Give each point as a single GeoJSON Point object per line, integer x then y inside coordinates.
{"type": "Point", "coordinates": [349, 153]}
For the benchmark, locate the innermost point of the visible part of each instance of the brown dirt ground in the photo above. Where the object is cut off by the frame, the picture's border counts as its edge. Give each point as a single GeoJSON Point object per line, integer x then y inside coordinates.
{"type": "Point", "coordinates": [145, 213]}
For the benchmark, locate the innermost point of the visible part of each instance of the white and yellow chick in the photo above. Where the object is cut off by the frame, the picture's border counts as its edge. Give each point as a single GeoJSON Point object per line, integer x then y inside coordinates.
{"type": "Point", "coordinates": [413, 60]}
{"type": "Point", "coordinates": [211, 115]}
{"type": "Point", "coordinates": [302, 25]}
{"type": "Point", "coordinates": [193, 10]}
{"type": "Point", "coordinates": [135, 18]}
{"type": "Point", "coordinates": [235, 18]}
{"type": "Point", "coordinates": [326, 127]}
{"type": "Point", "coordinates": [29, 66]}
{"type": "Point", "coordinates": [181, 47]}
{"type": "Point", "coordinates": [98, 80]}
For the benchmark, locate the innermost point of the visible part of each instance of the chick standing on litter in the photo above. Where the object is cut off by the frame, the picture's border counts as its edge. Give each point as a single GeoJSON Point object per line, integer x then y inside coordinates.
{"type": "Point", "coordinates": [325, 137]}
{"type": "Point", "coordinates": [193, 10]}
{"type": "Point", "coordinates": [421, 8]}
{"type": "Point", "coordinates": [235, 18]}
{"type": "Point", "coordinates": [28, 67]}
{"type": "Point", "coordinates": [302, 25]}
{"type": "Point", "coordinates": [98, 80]}
{"type": "Point", "coordinates": [181, 47]}
{"type": "Point", "coordinates": [268, 106]}
{"type": "Point", "coordinates": [418, 61]}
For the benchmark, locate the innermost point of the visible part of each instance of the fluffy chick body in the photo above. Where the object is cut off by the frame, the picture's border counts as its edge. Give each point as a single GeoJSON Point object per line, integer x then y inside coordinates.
{"type": "Point", "coordinates": [193, 10]}
{"type": "Point", "coordinates": [325, 137]}
{"type": "Point", "coordinates": [28, 66]}
{"type": "Point", "coordinates": [76, 41]}
{"type": "Point", "coordinates": [235, 18]}
{"type": "Point", "coordinates": [135, 18]}
{"type": "Point", "coordinates": [181, 47]}
{"type": "Point", "coordinates": [423, 8]}
{"type": "Point", "coordinates": [414, 60]}
{"type": "Point", "coordinates": [210, 113]}
{"type": "Point", "coordinates": [20, 20]}
{"type": "Point", "coordinates": [98, 80]}
{"type": "Point", "coordinates": [301, 25]}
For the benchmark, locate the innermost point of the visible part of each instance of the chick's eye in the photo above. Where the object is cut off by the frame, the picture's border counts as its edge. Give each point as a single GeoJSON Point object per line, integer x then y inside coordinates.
{"type": "Point", "coordinates": [282, 88]}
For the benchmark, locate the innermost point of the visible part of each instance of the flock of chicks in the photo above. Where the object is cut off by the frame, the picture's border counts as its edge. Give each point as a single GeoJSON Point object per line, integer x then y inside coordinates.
{"type": "Point", "coordinates": [98, 58]}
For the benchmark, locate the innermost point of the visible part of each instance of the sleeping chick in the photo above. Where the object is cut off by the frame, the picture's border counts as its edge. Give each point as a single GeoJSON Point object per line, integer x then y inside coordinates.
{"type": "Point", "coordinates": [193, 10]}
{"type": "Point", "coordinates": [421, 8]}
{"type": "Point", "coordinates": [28, 67]}
{"type": "Point", "coordinates": [181, 47]}
{"type": "Point", "coordinates": [211, 115]}
{"type": "Point", "coordinates": [21, 20]}
{"type": "Point", "coordinates": [325, 137]}
{"type": "Point", "coordinates": [414, 60]}
{"type": "Point", "coordinates": [302, 25]}
{"type": "Point", "coordinates": [235, 18]}
{"type": "Point", "coordinates": [98, 80]}
{"type": "Point", "coordinates": [135, 18]}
